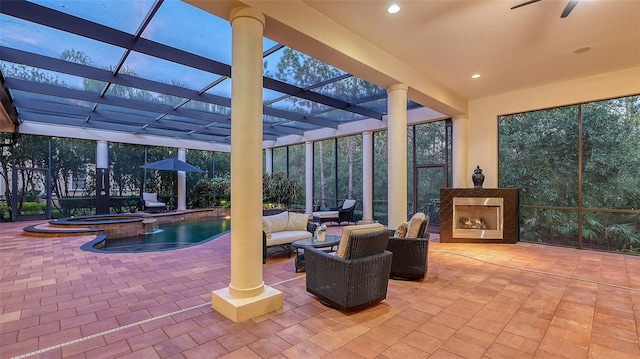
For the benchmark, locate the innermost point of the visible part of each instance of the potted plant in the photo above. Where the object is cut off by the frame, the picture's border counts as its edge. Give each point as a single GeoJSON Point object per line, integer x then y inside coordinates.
{"type": "Point", "coordinates": [133, 205]}
{"type": "Point", "coordinates": [321, 232]}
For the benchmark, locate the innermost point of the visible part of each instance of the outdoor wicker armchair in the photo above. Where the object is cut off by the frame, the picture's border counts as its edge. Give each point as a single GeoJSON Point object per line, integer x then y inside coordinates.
{"type": "Point", "coordinates": [410, 255]}
{"type": "Point", "coordinates": [355, 282]}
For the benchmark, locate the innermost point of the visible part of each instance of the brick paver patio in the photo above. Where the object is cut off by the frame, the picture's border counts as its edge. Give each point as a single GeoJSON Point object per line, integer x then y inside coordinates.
{"type": "Point", "coordinates": [478, 301]}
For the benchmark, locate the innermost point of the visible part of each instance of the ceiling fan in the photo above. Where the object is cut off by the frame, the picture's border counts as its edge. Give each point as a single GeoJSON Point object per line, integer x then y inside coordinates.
{"type": "Point", "coordinates": [567, 10]}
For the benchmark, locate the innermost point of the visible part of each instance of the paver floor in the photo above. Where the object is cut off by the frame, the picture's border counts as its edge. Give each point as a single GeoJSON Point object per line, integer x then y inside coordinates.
{"type": "Point", "coordinates": [477, 301]}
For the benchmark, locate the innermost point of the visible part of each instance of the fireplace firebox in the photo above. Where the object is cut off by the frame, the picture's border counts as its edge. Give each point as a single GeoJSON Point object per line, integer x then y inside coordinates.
{"type": "Point", "coordinates": [481, 215]}
{"type": "Point", "coordinates": [477, 217]}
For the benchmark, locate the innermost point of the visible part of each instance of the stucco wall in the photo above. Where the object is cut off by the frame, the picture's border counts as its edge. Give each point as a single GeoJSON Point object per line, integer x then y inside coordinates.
{"type": "Point", "coordinates": [482, 125]}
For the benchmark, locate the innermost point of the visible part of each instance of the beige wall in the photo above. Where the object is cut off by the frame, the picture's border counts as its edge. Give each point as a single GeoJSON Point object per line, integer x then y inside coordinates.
{"type": "Point", "coordinates": [482, 139]}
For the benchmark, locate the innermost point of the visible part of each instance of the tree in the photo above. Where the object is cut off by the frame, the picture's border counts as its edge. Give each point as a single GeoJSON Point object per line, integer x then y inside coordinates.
{"type": "Point", "coordinates": [125, 161]}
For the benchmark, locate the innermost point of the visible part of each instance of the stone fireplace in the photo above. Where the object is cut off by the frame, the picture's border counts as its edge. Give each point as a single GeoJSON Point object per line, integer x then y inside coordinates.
{"type": "Point", "coordinates": [479, 215]}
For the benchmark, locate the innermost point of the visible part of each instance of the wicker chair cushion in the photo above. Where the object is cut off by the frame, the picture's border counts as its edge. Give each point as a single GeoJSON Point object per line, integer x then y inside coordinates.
{"type": "Point", "coordinates": [151, 197]}
{"type": "Point", "coordinates": [414, 225]}
{"type": "Point", "coordinates": [277, 222]}
{"type": "Point", "coordinates": [348, 203]}
{"type": "Point", "coordinates": [356, 229]}
{"type": "Point", "coordinates": [401, 232]}
{"type": "Point", "coordinates": [297, 221]}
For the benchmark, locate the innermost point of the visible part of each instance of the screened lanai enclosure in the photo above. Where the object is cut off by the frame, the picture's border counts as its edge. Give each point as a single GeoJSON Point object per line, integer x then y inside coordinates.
{"type": "Point", "coordinates": [135, 79]}
{"type": "Point", "coordinates": [74, 70]}
{"type": "Point", "coordinates": [130, 66]}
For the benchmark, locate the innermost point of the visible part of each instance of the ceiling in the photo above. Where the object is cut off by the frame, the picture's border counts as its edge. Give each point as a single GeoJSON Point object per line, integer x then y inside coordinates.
{"type": "Point", "coordinates": [433, 46]}
{"type": "Point", "coordinates": [527, 47]}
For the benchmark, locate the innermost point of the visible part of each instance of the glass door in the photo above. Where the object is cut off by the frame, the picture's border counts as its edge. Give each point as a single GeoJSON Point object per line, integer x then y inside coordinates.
{"type": "Point", "coordinates": [427, 183]}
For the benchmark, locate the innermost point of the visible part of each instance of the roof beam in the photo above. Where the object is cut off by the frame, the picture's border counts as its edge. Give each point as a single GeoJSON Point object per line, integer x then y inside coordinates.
{"type": "Point", "coordinates": [92, 97]}
{"type": "Point", "coordinates": [62, 66]}
{"type": "Point", "coordinates": [80, 123]}
{"type": "Point", "coordinates": [115, 117]}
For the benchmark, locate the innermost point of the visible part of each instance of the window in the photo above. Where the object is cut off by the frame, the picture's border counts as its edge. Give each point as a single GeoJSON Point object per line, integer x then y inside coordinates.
{"type": "Point", "coordinates": [577, 170]}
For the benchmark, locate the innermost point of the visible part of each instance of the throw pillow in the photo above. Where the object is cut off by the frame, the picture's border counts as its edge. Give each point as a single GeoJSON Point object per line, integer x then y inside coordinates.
{"type": "Point", "coordinates": [414, 225]}
{"type": "Point", "coordinates": [277, 222]}
{"type": "Point", "coordinates": [266, 229]}
{"type": "Point", "coordinates": [348, 230]}
{"type": "Point", "coordinates": [401, 232]}
{"type": "Point", "coordinates": [297, 221]}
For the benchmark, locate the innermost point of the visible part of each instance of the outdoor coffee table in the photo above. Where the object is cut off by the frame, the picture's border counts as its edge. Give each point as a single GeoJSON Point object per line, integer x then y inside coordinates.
{"type": "Point", "coordinates": [329, 242]}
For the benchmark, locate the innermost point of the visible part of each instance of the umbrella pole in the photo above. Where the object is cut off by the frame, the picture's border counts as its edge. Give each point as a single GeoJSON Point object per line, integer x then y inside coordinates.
{"type": "Point", "coordinates": [144, 176]}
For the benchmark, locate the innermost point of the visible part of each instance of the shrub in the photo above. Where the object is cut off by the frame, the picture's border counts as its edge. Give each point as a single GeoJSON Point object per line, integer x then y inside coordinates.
{"type": "Point", "coordinates": [213, 192]}
{"type": "Point", "coordinates": [280, 191]}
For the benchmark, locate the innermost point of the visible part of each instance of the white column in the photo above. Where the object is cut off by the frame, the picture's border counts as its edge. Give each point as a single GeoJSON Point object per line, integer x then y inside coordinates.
{"type": "Point", "coordinates": [247, 296]}
{"type": "Point", "coordinates": [459, 161]}
{"type": "Point", "coordinates": [367, 177]}
{"type": "Point", "coordinates": [182, 182]}
{"type": "Point", "coordinates": [268, 159]}
{"type": "Point", "coordinates": [102, 154]}
{"type": "Point", "coordinates": [397, 156]}
{"type": "Point", "coordinates": [308, 176]}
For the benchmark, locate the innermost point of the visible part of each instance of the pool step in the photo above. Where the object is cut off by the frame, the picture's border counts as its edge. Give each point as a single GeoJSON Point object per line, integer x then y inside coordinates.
{"type": "Point", "coordinates": [45, 230]}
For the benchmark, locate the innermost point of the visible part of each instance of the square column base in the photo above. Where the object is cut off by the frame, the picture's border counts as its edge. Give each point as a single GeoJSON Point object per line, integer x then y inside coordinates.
{"type": "Point", "coordinates": [241, 309]}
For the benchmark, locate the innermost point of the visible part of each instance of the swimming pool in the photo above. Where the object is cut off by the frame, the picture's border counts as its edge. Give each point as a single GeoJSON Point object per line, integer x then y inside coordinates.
{"type": "Point", "coordinates": [168, 237]}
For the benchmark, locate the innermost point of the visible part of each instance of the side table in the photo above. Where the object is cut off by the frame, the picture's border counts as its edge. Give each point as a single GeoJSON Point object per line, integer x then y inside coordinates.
{"type": "Point", "coordinates": [329, 242]}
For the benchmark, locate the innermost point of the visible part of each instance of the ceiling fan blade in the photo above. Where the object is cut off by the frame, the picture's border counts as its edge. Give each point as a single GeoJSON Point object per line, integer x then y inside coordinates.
{"type": "Point", "coordinates": [524, 3]}
{"type": "Point", "coordinates": [568, 8]}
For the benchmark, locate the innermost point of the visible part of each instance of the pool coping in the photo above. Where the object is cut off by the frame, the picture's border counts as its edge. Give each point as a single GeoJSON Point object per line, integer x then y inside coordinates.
{"type": "Point", "coordinates": [132, 223]}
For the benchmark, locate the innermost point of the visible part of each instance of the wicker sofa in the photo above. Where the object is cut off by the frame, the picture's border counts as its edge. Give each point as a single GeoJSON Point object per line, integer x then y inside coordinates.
{"type": "Point", "coordinates": [410, 252]}
{"type": "Point", "coordinates": [284, 228]}
{"type": "Point", "coordinates": [357, 275]}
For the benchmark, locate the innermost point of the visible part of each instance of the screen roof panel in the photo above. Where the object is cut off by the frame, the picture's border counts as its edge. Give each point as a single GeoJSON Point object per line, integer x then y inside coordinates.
{"type": "Point", "coordinates": [161, 67]}
{"type": "Point", "coordinates": [42, 40]}
{"type": "Point", "coordinates": [124, 15]}
{"type": "Point", "coordinates": [159, 70]}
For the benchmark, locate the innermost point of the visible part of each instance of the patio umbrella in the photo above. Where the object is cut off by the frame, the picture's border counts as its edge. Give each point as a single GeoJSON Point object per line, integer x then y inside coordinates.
{"type": "Point", "coordinates": [171, 164]}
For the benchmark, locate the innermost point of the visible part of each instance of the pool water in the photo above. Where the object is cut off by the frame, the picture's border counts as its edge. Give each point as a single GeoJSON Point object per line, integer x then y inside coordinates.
{"type": "Point", "coordinates": [167, 237]}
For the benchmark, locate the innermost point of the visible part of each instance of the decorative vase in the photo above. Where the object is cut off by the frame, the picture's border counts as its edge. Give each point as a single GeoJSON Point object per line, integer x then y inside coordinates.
{"type": "Point", "coordinates": [321, 236]}
{"type": "Point", "coordinates": [477, 177]}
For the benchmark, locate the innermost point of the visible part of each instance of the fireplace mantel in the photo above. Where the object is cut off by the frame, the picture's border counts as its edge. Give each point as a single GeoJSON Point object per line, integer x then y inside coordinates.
{"type": "Point", "coordinates": [508, 216]}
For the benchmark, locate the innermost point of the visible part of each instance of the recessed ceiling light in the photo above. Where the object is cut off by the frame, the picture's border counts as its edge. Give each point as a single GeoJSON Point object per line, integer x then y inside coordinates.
{"type": "Point", "coordinates": [393, 9]}
{"type": "Point", "coordinates": [583, 49]}
{"type": "Point", "coordinates": [475, 76]}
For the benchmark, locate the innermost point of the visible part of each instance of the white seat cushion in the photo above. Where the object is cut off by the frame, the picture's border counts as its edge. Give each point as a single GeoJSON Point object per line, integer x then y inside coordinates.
{"type": "Point", "coordinates": [326, 214]}
{"type": "Point", "coordinates": [287, 237]}
{"type": "Point", "coordinates": [154, 204]}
